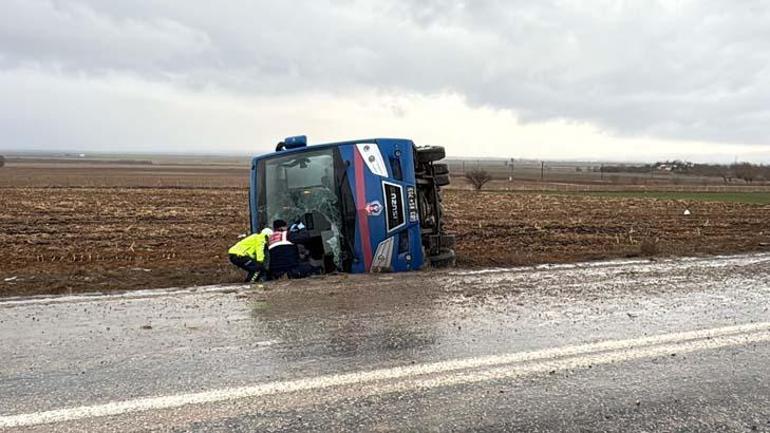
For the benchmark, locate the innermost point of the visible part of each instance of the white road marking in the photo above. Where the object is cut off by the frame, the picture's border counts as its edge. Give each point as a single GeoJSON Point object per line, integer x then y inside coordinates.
{"type": "Point", "coordinates": [708, 262]}
{"type": "Point", "coordinates": [516, 370]}
{"type": "Point", "coordinates": [256, 344]}
{"type": "Point", "coordinates": [133, 295]}
{"type": "Point", "coordinates": [435, 374]}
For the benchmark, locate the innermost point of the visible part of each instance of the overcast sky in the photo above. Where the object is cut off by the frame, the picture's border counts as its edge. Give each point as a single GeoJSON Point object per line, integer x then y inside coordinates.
{"type": "Point", "coordinates": [597, 79]}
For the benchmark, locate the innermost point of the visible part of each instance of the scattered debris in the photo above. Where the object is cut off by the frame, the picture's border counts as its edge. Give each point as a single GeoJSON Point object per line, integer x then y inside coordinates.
{"type": "Point", "coordinates": [146, 327]}
{"type": "Point", "coordinates": [687, 212]}
{"type": "Point", "coordinates": [11, 278]}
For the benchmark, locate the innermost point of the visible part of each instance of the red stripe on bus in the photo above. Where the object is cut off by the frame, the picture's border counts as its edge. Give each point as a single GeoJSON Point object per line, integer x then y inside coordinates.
{"type": "Point", "coordinates": [363, 215]}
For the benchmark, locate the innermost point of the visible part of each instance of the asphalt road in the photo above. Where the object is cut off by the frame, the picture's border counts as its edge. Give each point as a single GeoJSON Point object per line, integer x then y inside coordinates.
{"type": "Point", "coordinates": [672, 345]}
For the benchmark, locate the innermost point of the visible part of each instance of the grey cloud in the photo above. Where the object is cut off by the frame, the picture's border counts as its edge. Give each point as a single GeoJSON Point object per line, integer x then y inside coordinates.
{"type": "Point", "coordinates": [74, 36]}
{"type": "Point", "coordinates": [696, 70]}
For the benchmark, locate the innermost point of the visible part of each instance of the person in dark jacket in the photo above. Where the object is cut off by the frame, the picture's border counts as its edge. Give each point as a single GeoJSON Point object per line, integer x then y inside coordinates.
{"type": "Point", "coordinates": [282, 247]}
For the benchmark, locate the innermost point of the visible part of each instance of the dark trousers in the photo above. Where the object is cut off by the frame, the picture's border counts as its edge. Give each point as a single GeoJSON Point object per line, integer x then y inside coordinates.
{"type": "Point", "coordinates": [254, 268]}
{"type": "Point", "coordinates": [300, 270]}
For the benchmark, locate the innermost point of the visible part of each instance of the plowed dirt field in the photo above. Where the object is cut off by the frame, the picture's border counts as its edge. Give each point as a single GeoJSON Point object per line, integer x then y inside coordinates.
{"type": "Point", "coordinates": [87, 230]}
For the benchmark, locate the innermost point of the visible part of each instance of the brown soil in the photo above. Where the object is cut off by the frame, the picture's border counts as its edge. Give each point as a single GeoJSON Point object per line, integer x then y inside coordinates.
{"type": "Point", "coordinates": [499, 228]}
{"type": "Point", "coordinates": [98, 229]}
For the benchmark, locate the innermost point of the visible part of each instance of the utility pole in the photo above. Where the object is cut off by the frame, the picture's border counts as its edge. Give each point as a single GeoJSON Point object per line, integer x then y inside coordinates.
{"type": "Point", "coordinates": [542, 170]}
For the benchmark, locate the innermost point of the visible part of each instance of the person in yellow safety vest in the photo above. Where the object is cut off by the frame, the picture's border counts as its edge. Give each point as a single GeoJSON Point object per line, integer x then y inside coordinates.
{"type": "Point", "coordinates": [249, 255]}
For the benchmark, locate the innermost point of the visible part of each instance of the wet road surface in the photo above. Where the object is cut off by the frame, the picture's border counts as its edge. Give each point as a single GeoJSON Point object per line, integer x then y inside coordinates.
{"type": "Point", "coordinates": [671, 345]}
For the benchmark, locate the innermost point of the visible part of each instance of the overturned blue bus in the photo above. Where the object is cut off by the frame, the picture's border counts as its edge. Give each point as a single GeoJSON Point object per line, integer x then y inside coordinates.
{"type": "Point", "coordinates": [370, 205]}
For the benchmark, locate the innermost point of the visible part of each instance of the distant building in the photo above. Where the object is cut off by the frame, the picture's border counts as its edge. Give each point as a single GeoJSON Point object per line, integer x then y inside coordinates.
{"type": "Point", "coordinates": [676, 166]}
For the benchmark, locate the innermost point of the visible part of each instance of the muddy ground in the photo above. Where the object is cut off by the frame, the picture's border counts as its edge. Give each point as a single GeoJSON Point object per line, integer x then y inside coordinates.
{"type": "Point", "coordinates": [74, 229]}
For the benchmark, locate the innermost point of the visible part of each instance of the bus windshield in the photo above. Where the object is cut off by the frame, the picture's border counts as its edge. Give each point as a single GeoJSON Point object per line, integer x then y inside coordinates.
{"type": "Point", "coordinates": [300, 187]}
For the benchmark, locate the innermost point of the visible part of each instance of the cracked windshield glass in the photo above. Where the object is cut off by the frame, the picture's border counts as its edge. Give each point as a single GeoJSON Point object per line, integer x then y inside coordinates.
{"type": "Point", "coordinates": [300, 188]}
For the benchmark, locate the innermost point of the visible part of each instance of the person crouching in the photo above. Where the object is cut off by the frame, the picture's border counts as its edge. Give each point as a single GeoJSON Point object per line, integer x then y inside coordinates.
{"type": "Point", "coordinates": [249, 255]}
{"type": "Point", "coordinates": [284, 252]}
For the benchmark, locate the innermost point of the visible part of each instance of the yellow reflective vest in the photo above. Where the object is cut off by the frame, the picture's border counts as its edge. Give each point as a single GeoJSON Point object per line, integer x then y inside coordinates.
{"type": "Point", "coordinates": [252, 246]}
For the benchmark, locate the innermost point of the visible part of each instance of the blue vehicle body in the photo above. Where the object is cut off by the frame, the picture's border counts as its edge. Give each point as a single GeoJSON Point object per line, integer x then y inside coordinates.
{"type": "Point", "coordinates": [358, 198]}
